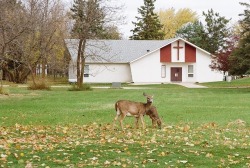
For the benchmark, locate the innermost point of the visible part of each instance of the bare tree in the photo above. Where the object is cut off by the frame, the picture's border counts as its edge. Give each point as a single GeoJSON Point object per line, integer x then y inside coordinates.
{"type": "Point", "coordinates": [13, 26]}
{"type": "Point", "coordinates": [90, 17]}
{"type": "Point", "coordinates": [31, 33]}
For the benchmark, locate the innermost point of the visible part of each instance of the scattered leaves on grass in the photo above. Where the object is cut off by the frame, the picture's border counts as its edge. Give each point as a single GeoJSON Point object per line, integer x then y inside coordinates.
{"type": "Point", "coordinates": [98, 145]}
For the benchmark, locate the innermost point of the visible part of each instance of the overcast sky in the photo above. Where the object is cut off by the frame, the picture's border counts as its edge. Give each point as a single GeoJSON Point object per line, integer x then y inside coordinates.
{"type": "Point", "coordinates": [227, 8]}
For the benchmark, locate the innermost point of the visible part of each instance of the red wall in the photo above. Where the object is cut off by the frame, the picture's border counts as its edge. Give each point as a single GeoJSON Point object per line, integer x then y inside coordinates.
{"type": "Point", "coordinates": [166, 53]}
{"type": "Point", "coordinates": [190, 53]}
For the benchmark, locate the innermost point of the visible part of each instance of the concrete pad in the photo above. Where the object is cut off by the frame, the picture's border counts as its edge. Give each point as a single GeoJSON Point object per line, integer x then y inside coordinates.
{"type": "Point", "coordinates": [191, 85]}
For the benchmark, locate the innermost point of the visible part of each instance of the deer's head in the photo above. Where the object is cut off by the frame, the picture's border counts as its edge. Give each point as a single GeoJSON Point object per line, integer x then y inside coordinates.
{"type": "Point", "coordinates": [149, 98]}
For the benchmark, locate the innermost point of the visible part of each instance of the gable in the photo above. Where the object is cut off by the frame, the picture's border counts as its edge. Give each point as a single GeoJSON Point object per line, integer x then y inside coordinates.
{"type": "Point", "coordinates": [178, 51]}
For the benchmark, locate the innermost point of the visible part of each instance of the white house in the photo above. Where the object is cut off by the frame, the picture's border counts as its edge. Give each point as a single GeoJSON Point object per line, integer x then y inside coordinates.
{"type": "Point", "coordinates": [143, 61]}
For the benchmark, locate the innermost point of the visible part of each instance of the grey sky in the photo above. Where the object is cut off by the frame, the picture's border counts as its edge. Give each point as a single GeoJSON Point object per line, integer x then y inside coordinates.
{"type": "Point", "coordinates": [228, 8]}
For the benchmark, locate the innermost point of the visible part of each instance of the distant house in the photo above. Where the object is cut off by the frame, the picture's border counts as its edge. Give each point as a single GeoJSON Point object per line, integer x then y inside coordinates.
{"type": "Point", "coordinates": [143, 61]}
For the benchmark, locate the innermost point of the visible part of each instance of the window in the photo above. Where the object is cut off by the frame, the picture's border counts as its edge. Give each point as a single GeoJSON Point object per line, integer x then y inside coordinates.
{"type": "Point", "coordinates": [86, 71]}
{"type": "Point", "coordinates": [190, 71]}
{"type": "Point", "coordinates": [163, 71]}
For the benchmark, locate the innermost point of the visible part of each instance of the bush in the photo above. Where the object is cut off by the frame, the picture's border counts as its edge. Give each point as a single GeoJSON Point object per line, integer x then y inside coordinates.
{"type": "Point", "coordinates": [39, 86]}
{"type": "Point", "coordinates": [2, 91]}
{"type": "Point", "coordinates": [84, 87]}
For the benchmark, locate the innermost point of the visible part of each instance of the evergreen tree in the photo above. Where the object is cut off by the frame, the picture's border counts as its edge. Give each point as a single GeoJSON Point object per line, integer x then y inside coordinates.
{"type": "Point", "coordinates": [217, 31]}
{"type": "Point", "coordinates": [240, 58]}
{"type": "Point", "coordinates": [148, 26]}
{"type": "Point", "coordinates": [194, 33]}
{"type": "Point", "coordinates": [211, 37]}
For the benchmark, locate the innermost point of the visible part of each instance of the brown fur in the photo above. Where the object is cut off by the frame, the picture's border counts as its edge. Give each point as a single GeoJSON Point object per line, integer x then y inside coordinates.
{"type": "Point", "coordinates": [130, 108]}
{"type": "Point", "coordinates": [153, 114]}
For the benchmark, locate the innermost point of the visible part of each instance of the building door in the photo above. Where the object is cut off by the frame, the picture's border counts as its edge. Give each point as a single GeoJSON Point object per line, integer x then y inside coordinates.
{"type": "Point", "coordinates": [176, 74]}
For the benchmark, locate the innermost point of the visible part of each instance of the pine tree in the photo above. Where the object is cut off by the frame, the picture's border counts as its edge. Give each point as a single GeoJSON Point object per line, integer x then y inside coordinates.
{"type": "Point", "coordinates": [148, 26]}
{"type": "Point", "coordinates": [217, 31]}
{"type": "Point", "coordinates": [194, 33]}
{"type": "Point", "coordinates": [240, 58]}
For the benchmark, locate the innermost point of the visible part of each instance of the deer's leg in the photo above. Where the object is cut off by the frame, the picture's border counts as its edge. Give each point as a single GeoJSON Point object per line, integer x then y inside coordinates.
{"type": "Point", "coordinates": [115, 119]}
{"type": "Point", "coordinates": [153, 122]}
{"type": "Point", "coordinates": [142, 121]}
{"type": "Point", "coordinates": [121, 119]}
{"type": "Point", "coordinates": [137, 122]}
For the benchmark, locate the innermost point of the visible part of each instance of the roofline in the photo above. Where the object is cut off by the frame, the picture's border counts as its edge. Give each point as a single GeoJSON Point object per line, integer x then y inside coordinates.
{"type": "Point", "coordinates": [151, 51]}
{"type": "Point", "coordinates": [106, 62]}
{"type": "Point", "coordinates": [173, 40]}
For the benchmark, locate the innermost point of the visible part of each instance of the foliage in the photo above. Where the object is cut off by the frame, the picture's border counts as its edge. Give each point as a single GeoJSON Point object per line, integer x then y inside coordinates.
{"type": "Point", "coordinates": [110, 32]}
{"type": "Point", "coordinates": [217, 31]}
{"type": "Point", "coordinates": [221, 61]}
{"type": "Point", "coordinates": [173, 20]}
{"type": "Point", "coordinates": [240, 58]}
{"type": "Point", "coordinates": [98, 145]}
{"type": "Point", "coordinates": [31, 35]}
{"type": "Point", "coordinates": [148, 26]}
{"type": "Point", "coordinates": [212, 36]}
{"type": "Point", "coordinates": [194, 33]}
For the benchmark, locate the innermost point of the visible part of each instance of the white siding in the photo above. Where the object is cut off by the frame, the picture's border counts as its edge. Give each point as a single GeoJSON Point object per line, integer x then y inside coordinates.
{"type": "Point", "coordinates": [72, 71]}
{"type": "Point", "coordinates": [204, 72]}
{"type": "Point", "coordinates": [147, 69]}
{"type": "Point", "coordinates": [108, 73]}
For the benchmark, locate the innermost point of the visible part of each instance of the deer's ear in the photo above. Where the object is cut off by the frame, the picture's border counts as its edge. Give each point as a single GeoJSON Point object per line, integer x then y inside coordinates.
{"type": "Point", "coordinates": [144, 94]}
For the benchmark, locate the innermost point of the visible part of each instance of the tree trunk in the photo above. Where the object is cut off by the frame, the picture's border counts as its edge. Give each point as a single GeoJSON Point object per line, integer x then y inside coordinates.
{"type": "Point", "coordinates": [80, 62]}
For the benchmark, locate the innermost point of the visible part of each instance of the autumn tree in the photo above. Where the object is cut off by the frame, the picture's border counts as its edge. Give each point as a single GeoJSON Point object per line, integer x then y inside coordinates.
{"type": "Point", "coordinates": [148, 26]}
{"type": "Point", "coordinates": [13, 26]}
{"type": "Point", "coordinates": [221, 60]}
{"type": "Point", "coordinates": [240, 58]}
{"type": "Point", "coordinates": [173, 20]}
{"type": "Point", "coordinates": [30, 34]}
{"type": "Point", "coordinates": [91, 17]}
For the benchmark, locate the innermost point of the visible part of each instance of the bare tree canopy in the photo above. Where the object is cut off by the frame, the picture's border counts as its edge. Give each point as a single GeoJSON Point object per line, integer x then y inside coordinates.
{"type": "Point", "coordinates": [91, 17]}
{"type": "Point", "coordinates": [31, 34]}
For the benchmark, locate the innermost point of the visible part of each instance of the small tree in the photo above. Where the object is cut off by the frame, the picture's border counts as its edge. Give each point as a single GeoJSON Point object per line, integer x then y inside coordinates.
{"type": "Point", "coordinates": [221, 61]}
{"type": "Point", "coordinates": [148, 26]}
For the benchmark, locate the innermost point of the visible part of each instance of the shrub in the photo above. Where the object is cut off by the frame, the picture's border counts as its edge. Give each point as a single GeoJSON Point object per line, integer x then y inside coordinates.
{"type": "Point", "coordinates": [2, 91]}
{"type": "Point", "coordinates": [84, 87]}
{"type": "Point", "coordinates": [39, 86]}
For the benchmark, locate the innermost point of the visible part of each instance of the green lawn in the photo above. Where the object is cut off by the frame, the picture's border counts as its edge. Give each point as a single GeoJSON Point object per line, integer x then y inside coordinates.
{"type": "Point", "coordinates": [240, 83]}
{"type": "Point", "coordinates": [60, 128]}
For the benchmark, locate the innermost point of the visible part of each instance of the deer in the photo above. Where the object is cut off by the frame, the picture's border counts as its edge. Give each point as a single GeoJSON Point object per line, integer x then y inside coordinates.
{"type": "Point", "coordinates": [153, 114]}
{"type": "Point", "coordinates": [125, 108]}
